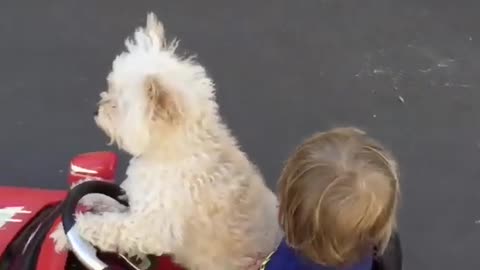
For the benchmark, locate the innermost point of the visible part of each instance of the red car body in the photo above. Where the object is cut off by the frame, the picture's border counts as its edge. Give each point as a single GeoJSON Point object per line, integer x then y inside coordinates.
{"type": "Point", "coordinates": [20, 206]}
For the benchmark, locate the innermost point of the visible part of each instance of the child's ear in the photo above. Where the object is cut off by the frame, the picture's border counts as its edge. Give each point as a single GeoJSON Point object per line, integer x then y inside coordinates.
{"type": "Point", "coordinates": [163, 102]}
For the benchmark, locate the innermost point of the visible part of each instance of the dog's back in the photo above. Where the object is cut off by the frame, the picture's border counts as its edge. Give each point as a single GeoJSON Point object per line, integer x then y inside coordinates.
{"type": "Point", "coordinates": [234, 221]}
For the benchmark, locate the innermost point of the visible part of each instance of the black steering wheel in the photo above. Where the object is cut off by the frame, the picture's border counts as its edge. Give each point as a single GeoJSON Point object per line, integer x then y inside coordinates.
{"type": "Point", "coordinates": [84, 251]}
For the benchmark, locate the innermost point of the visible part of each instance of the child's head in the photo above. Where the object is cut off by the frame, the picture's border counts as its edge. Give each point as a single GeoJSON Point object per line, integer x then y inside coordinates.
{"type": "Point", "coordinates": [338, 197]}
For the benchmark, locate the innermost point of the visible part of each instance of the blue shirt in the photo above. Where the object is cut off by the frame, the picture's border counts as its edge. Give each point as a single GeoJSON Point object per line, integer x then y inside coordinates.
{"type": "Point", "coordinates": [286, 258]}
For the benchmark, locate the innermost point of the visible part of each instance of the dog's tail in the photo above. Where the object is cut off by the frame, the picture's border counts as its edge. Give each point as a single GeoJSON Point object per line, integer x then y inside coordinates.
{"type": "Point", "coordinates": [150, 37]}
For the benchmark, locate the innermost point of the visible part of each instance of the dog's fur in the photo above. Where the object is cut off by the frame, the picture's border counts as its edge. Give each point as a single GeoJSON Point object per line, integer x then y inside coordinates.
{"type": "Point", "coordinates": [192, 192]}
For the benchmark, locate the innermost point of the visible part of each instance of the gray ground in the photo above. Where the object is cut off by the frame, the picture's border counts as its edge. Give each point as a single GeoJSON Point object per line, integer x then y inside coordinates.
{"type": "Point", "coordinates": [407, 71]}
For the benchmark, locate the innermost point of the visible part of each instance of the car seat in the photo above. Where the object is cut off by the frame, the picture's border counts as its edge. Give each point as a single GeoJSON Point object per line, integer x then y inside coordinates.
{"type": "Point", "coordinates": [392, 258]}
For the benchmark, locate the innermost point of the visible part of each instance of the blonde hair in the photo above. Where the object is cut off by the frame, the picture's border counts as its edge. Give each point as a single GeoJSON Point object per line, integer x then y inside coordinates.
{"type": "Point", "coordinates": [338, 197]}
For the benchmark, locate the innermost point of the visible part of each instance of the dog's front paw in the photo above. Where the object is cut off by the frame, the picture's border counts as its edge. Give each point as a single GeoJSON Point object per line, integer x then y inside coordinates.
{"type": "Point", "coordinates": [99, 203]}
{"type": "Point", "coordinates": [60, 239]}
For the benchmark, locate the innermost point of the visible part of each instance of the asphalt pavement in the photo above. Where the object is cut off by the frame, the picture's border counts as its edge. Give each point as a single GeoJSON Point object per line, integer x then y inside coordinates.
{"type": "Point", "coordinates": [404, 70]}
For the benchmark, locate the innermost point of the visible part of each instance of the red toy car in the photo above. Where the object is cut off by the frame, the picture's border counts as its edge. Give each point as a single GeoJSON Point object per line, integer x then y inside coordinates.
{"type": "Point", "coordinates": [28, 216]}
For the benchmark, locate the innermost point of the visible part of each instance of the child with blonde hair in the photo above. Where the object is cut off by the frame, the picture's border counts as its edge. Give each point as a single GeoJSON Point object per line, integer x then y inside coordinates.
{"type": "Point", "coordinates": [338, 199]}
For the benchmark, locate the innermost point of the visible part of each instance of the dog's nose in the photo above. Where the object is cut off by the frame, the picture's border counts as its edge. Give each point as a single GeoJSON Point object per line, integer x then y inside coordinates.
{"type": "Point", "coordinates": [95, 113]}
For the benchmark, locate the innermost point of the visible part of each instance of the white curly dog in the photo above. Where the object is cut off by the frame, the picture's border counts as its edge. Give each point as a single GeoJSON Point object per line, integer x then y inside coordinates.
{"type": "Point", "coordinates": [192, 192]}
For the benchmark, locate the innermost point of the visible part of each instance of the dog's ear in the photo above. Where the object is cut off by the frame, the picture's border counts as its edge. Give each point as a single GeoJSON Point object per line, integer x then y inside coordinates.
{"type": "Point", "coordinates": [163, 102]}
